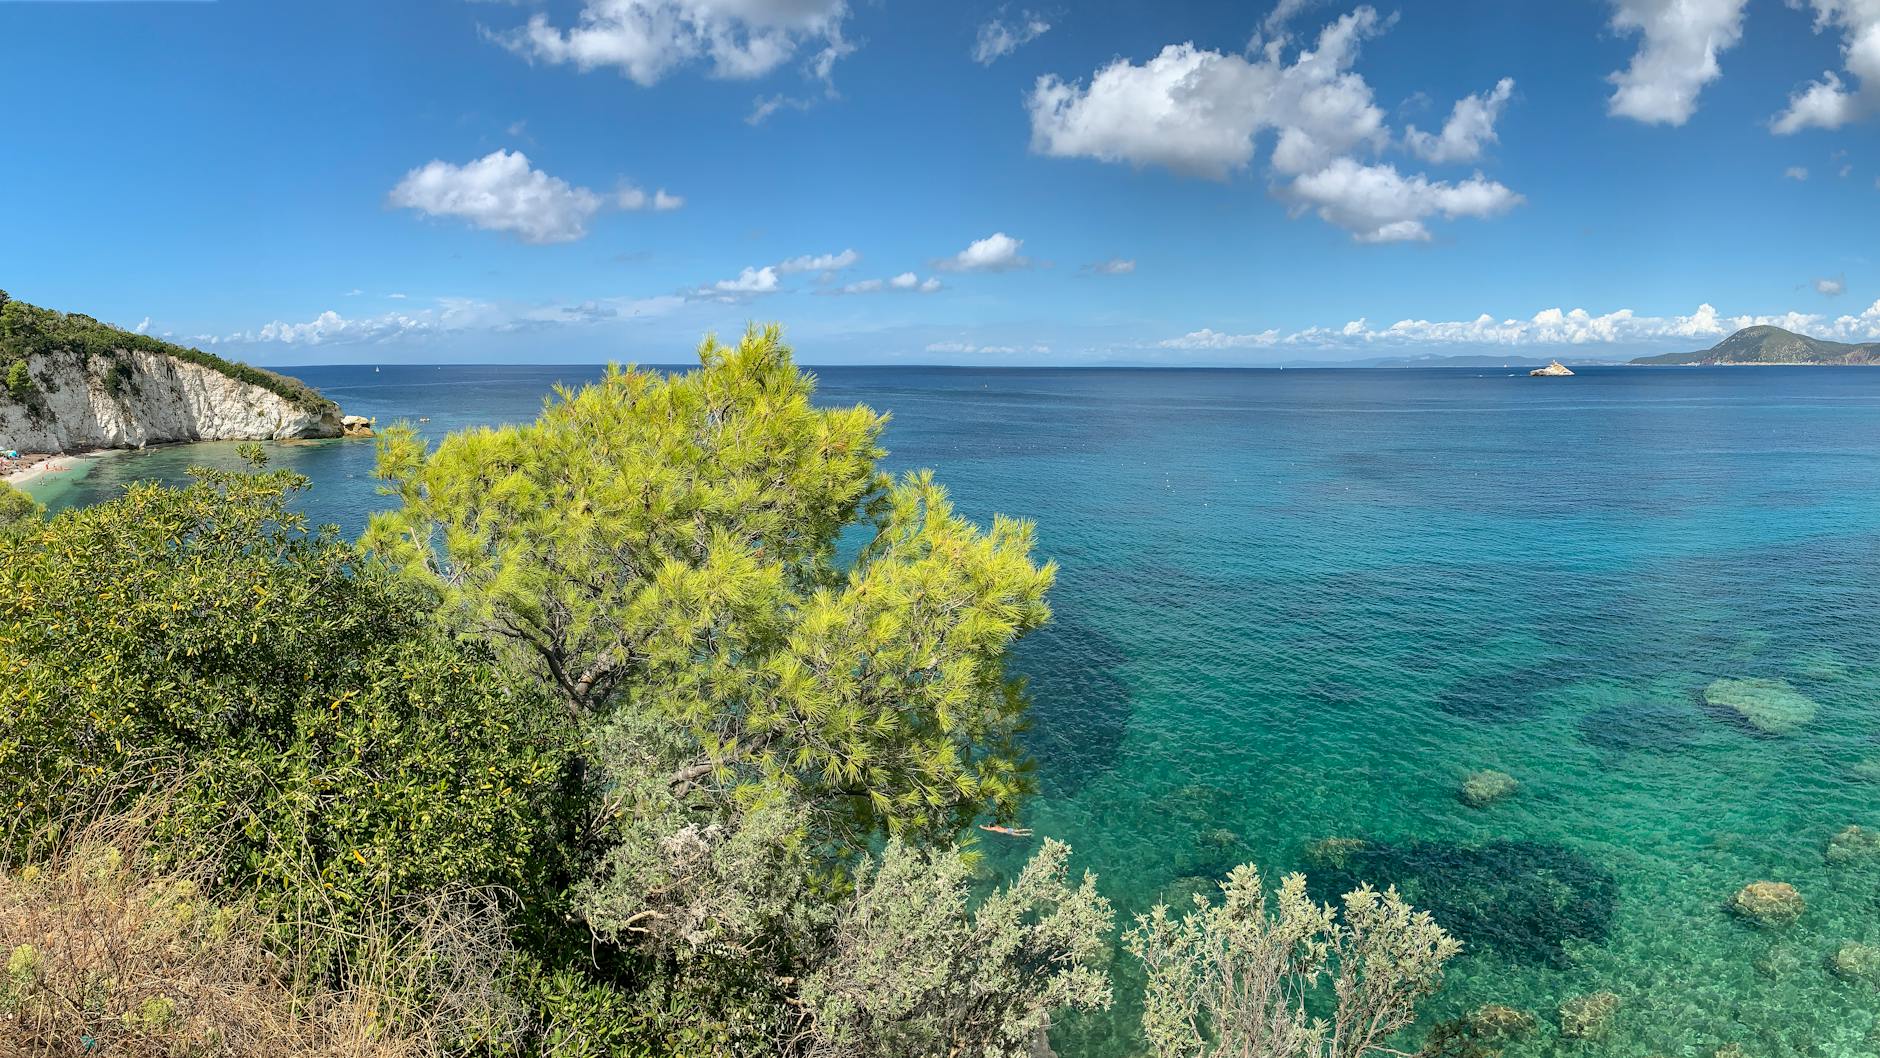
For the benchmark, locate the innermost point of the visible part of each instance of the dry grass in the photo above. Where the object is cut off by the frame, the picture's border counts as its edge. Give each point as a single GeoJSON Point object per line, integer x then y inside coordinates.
{"type": "Point", "coordinates": [105, 954]}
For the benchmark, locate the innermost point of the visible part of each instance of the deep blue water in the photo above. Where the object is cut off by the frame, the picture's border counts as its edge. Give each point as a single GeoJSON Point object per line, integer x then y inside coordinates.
{"type": "Point", "coordinates": [1306, 604]}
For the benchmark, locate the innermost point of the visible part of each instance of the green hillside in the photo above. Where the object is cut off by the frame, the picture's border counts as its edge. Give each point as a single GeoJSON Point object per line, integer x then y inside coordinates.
{"type": "Point", "coordinates": [1773, 345]}
{"type": "Point", "coordinates": [26, 330]}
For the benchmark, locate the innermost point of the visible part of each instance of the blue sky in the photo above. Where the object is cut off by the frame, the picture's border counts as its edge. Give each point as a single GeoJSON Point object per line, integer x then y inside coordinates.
{"type": "Point", "coordinates": [902, 182]}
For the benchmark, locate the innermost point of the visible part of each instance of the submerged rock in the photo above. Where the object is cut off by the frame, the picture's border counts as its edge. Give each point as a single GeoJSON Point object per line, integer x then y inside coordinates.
{"type": "Point", "coordinates": [1866, 770]}
{"type": "Point", "coordinates": [1822, 665]}
{"type": "Point", "coordinates": [1484, 788]}
{"type": "Point", "coordinates": [1856, 963]}
{"type": "Point", "coordinates": [1494, 1023]}
{"type": "Point", "coordinates": [1778, 962]}
{"type": "Point", "coordinates": [1523, 900]}
{"type": "Point", "coordinates": [1588, 1017]}
{"type": "Point", "coordinates": [1180, 894]}
{"type": "Point", "coordinates": [1769, 903]}
{"type": "Point", "coordinates": [1770, 706]}
{"type": "Point", "coordinates": [1854, 844]}
{"type": "Point", "coordinates": [1333, 852]}
{"type": "Point", "coordinates": [1644, 727]}
{"type": "Point", "coordinates": [1729, 1050]}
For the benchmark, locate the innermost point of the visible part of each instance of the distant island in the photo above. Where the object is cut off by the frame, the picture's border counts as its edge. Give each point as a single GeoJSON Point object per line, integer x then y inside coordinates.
{"type": "Point", "coordinates": [69, 383]}
{"type": "Point", "coordinates": [1773, 345]}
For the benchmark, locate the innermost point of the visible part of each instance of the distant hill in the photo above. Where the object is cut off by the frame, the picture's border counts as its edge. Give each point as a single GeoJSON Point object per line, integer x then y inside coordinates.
{"type": "Point", "coordinates": [1773, 345]}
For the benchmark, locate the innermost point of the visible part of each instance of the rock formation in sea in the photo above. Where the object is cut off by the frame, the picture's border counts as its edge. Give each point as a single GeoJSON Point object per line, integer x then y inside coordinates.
{"type": "Point", "coordinates": [1769, 903]}
{"type": "Point", "coordinates": [1770, 706]}
{"type": "Point", "coordinates": [1588, 1017]}
{"type": "Point", "coordinates": [1554, 369]}
{"type": "Point", "coordinates": [1853, 844]}
{"type": "Point", "coordinates": [1484, 788]}
{"type": "Point", "coordinates": [73, 383]}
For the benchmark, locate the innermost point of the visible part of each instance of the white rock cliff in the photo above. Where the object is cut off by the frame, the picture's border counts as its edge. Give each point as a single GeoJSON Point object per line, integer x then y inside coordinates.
{"type": "Point", "coordinates": [159, 401]}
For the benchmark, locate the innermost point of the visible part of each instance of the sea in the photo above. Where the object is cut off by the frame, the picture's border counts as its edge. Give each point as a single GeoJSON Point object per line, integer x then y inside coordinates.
{"type": "Point", "coordinates": [1298, 609]}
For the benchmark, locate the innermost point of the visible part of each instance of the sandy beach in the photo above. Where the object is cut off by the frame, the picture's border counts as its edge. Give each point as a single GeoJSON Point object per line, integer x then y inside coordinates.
{"type": "Point", "coordinates": [32, 466]}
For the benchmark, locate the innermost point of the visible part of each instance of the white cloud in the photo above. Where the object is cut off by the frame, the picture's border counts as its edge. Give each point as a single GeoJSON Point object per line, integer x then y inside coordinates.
{"type": "Point", "coordinates": [1550, 327]}
{"type": "Point", "coordinates": [144, 327]}
{"type": "Point", "coordinates": [647, 39]}
{"type": "Point", "coordinates": [1115, 266]}
{"type": "Point", "coordinates": [1282, 13]}
{"type": "Point", "coordinates": [446, 316]}
{"type": "Point", "coordinates": [1471, 126]}
{"type": "Point", "coordinates": [906, 282]}
{"type": "Point", "coordinates": [763, 107]}
{"type": "Point", "coordinates": [997, 252]}
{"type": "Point", "coordinates": [1377, 204]}
{"type": "Point", "coordinates": [354, 292]}
{"type": "Point", "coordinates": [1832, 287]}
{"type": "Point", "coordinates": [1829, 103]}
{"type": "Point", "coordinates": [1676, 58]}
{"type": "Point", "coordinates": [1795, 172]}
{"type": "Point", "coordinates": [828, 262]}
{"type": "Point", "coordinates": [632, 198]}
{"type": "Point", "coordinates": [1201, 113]}
{"type": "Point", "coordinates": [1208, 338]}
{"type": "Point", "coordinates": [1198, 112]}
{"type": "Point", "coordinates": [500, 192]}
{"type": "Point", "coordinates": [749, 283]}
{"type": "Point", "coordinates": [986, 350]}
{"type": "Point", "coordinates": [997, 38]}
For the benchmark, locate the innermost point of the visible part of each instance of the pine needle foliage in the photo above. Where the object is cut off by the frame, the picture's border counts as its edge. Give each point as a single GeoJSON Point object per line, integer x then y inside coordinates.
{"type": "Point", "coordinates": [670, 545]}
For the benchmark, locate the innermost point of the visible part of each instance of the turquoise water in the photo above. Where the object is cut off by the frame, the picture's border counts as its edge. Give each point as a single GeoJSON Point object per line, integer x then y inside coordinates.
{"type": "Point", "coordinates": [1307, 604]}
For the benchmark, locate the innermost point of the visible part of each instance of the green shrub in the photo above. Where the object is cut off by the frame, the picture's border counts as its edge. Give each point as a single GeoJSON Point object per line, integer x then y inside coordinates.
{"type": "Point", "coordinates": [297, 708]}
{"type": "Point", "coordinates": [19, 381]}
{"type": "Point", "coordinates": [18, 511]}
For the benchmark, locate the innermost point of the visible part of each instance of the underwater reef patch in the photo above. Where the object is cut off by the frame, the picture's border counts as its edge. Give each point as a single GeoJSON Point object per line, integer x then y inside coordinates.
{"type": "Point", "coordinates": [1523, 900]}
{"type": "Point", "coordinates": [1644, 727]}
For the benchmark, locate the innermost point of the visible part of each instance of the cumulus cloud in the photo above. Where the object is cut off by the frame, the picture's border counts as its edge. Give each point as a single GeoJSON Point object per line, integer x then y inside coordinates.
{"type": "Point", "coordinates": [749, 283]}
{"type": "Point", "coordinates": [827, 262]}
{"type": "Point", "coordinates": [1198, 112]}
{"type": "Point", "coordinates": [1470, 127]}
{"type": "Point", "coordinates": [997, 252]}
{"type": "Point", "coordinates": [1830, 103]}
{"type": "Point", "coordinates": [1550, 327]}
{"type": "Point", "coordinates": [1378, 204]}
{"type": "Point", "coordinates": [1201, 113]}
{"type": "Point", "coordinates": [906, 282]}
{"type": "Point", "coordinates": [1795, 172]}
{"type": "Point", "coordinates": [1115, 266]}
{"type": "Point", "coordinates": [502, 192]}
{"type": "Point", "coordinates": [632, 198]}
{"type": "Point", "coordinates": [645, 40]}
{"type": "Point", "coordinates": [1832, 287]}
{"type": "Point", "coordinates": [144, 327]}
{"type": "Point", "coordinates": [1676, 58]}
{"type": "Point", "coordinates": [999, 38]}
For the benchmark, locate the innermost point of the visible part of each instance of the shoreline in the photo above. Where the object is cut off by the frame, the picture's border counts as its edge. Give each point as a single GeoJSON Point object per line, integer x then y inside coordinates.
{"type": "Point", "coordinates": [34, 466]}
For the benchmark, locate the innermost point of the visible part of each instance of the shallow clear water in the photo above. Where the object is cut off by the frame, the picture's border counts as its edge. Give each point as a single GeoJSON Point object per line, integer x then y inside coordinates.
{"type": "Point", "coordinates": [1305, 604]}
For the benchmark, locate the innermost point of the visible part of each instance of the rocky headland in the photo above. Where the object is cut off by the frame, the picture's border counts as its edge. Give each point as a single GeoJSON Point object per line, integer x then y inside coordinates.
{"type": "Point", "coordinates": [69, 383]}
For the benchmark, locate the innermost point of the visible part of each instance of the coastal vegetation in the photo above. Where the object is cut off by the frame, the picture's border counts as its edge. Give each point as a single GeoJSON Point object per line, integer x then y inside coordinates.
{"type": "Point", "coordinates": [658, 726]}
{"type": "Point", "coordinates": [27, 330]}
{"type": "Point", "coordinates": [1773, 345]}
